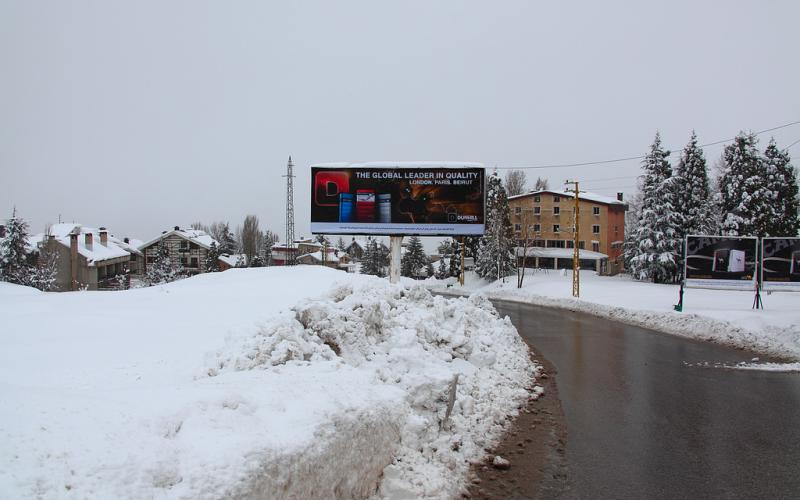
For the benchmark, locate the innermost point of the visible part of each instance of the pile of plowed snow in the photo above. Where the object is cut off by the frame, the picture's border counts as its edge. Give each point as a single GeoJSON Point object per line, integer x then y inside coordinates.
{"type": "Point", "coordinates": [239, 384]}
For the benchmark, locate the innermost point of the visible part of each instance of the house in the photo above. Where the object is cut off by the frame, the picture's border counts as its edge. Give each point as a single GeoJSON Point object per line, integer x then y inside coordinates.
{"type": "Point", "coordinates": [189, 247]}
{"type": "Point", "coordinates": [333, 258]}
{"type": "Point", "coordinates": [88, 258]}
{"type": "Point", "coordinates": [546, 218]}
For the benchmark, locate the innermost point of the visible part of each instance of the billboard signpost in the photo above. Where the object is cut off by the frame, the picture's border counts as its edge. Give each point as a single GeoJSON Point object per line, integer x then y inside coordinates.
{"type": "Point", "coordinates": [780, 264]}
{"type": "Point", "coordinates": [424, 199]}
{"type": "Point", "coordinates": [721, 262]}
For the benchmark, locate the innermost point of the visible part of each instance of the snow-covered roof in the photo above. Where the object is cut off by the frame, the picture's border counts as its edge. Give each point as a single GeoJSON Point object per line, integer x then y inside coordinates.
{"type": "Point", "coordinates": [196, 236]}
{"type": "Point", "coordinates": [232, 259]}
{"type": "Point", "coordinates": [402, 164]}
{"type": "Point", "coordinates": [560, 253]}
{"type": "Point", "coordinates": [317, 257]}
{"type": "Point", "coordinates": [97, 252]}
{"type": "Point", "coordinates": [584, 195]}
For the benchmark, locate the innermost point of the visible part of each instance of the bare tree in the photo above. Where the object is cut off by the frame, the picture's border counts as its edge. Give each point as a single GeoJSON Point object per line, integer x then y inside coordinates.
{"type": "Point", "coordinates": [515, 182]}
{"type": "Point", "coordinates": [249, 236]}
{"type": "Point", "coordinates": [526, 240]}
{"type": "Point", "coordinates": [541, 184]}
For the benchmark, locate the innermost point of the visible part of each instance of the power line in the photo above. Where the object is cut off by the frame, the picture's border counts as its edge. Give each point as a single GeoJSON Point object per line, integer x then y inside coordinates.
{"type": "Point", "coordinates": [640, 157]}
{"type": "Point", "coordinates": [790, 145]}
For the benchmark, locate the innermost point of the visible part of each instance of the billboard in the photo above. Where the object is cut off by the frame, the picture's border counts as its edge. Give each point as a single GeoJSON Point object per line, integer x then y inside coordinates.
{"type": "Point", "coordinates": [727, 262]}
{"type": "Point", "coordinates": [780, 264]}
{"type": "Point", "coordinates": [427, 199]}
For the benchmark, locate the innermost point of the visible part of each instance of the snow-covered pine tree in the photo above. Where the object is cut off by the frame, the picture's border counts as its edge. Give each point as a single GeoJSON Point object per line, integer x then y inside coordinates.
{"type": "Point", "coordinates": [14, 266]}
{"type": "Point", "coordinates": [163, 270]}
{"type": "Point", "coordinates": [227, 242]}
{"type": "Point", "coordinates": [372, 260]}
{"type": "Point", "coordinates": [654, 243]}
{"type": "Point", "coordinates": [429, 271]}
{"type": "Point", "coordinates": [695, 204]}
{"type": "Point", "coordinates": [442, 271]}
{"type": "Point", "coordinates": [495, 258]}
{"type": "Point", "coordinates": [414, 261]}
{"type": "Point", "coordinates": [43, 276]}
{"type": "Point", "coordinates": [785, 185]}
{"type": "Point", "coordinates": [340, 244]}
{"type": "Point", "coordinates": [212, 259]}
{"type": "Point", "coordinates": [745, 199]}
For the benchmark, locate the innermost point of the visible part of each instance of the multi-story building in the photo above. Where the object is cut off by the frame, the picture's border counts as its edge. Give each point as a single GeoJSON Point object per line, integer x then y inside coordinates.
{"type": "Point", "coordinates": [545, 219]}
{"type": "Point", "coordinates": [189, 247]}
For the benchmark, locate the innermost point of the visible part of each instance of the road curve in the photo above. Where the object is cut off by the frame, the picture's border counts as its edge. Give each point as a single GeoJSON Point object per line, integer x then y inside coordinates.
{"type": "Point", "coordinates": [641, 423]}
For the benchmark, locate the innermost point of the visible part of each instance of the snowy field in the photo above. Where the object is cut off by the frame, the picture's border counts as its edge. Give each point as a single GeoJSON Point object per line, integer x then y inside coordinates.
{"type": "Point", "coordinates": [722, 316]}
{"type": "Point", "coordinates": [276, 383]}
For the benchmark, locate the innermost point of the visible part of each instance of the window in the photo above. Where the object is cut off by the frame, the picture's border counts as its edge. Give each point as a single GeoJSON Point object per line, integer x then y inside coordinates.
{"type": "Point", "coordinates": [595, 246]}
{"type": "Point", "coordinates": [184, 261]}
{"type": "Point", "coordinates": [570, 244]}
{"type": "Point", "coordinates": [517, 227]}
{"type": "Point", "coordinates": [517, 210]}
{"type": "Point", "coordinates": [150, 259]}
{"type": "Point", "coordinates": [582, 245]}
{"type": "Point", "coordinates": [193, 262]}
{"type": "Point", "coordinates": [596, 229]}
{"type": "Point", "coordinates": [537, 210]}
{"type": "Point", "coordinates": [539, 243]}
{"type": "Point", "coordinates": [556, 199]}
{"type": "Point", "coordinates": [537, 228]}
{"type": "Point", "coordinates": [556, 228]}
{"type": "Point", "coordinates": [537, 198]}
{"type": "Point", "coordinates": [556, 244]}
{"type": "Point", "coordinates": [595, 210]}
{"type": "Point", "coordinates": [556, 210]}
{"type": "Point", "coordinates": [184, 245]}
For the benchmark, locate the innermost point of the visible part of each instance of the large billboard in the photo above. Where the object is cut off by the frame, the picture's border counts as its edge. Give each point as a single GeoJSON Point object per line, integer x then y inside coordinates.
{"type": "Point", "coordinates": [727, 262]}
{"type": "Point", "coordinates": [429, 199]}
{"type": "Point", "coordinates": [780, 264]}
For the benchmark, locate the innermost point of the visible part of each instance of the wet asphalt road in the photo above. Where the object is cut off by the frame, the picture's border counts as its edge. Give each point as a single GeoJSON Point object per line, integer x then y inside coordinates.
{"type": "Point", "coordinates": [642, 424]}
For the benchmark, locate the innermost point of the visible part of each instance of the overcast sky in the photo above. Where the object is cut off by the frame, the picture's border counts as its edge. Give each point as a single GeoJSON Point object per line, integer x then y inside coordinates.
{"type": "Point", "coordinates": [142, 115]}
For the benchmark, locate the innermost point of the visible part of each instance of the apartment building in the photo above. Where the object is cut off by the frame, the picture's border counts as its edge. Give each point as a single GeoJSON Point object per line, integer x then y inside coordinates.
{"type": "Point", "coordinates": [189, 247]}
{"type": "Point", "coordinates": [546, 219]}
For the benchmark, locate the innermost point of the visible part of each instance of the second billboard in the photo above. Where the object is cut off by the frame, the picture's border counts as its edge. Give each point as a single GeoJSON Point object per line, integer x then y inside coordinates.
{"type": "Point", "coordinates": [422, 199]}
{"type": "Point", "coordinates": [721, 262]}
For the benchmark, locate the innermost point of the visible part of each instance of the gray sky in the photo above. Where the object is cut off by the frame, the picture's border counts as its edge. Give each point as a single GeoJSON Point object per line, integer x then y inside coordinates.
{"type": "Point", "coordinates": [142, 115]}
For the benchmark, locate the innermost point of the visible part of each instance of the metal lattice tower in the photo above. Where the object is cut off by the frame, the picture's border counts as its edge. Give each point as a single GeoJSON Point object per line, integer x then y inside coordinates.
{"type": "Point", "coordinates": [290, 255]}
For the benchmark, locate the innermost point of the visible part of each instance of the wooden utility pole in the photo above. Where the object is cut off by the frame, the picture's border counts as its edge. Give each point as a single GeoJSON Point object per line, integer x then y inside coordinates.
{"type": "Point", "coordinates": [576, 258]}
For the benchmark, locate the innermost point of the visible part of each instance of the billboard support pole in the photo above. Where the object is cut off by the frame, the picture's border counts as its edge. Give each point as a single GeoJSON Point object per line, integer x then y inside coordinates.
{"type": "Point", "coordinates": [395, 243]}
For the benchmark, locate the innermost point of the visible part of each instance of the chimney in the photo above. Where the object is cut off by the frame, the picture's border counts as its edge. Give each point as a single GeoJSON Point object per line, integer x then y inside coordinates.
{"type": "Point", "coordinates": [104, 236]}
{"type": "Point", "coordinates": [73, 259]}
{"type": "Point", "coordinates": [177, 228]}
{"type": "Point", "coordinates": [89, 237]}
{"type": "Point", "coordinates": [619, 196]}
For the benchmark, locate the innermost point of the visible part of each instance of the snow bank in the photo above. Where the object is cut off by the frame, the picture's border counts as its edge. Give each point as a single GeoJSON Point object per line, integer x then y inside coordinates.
{"type": "Point", "coordinates": [238, 384]}
{"type": "Point", "coordinates": [722, 316]}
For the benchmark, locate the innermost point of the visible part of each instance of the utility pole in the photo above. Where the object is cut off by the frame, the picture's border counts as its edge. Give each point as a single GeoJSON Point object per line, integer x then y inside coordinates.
{"type": "Point", "coordinates": [290, 255]}
{"type": "Point", "coordinates": [576, 260]}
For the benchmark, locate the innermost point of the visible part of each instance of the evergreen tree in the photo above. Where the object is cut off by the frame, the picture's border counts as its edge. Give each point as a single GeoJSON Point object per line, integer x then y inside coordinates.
{"type": "Point", "coordinates": [442, 272]}
{"type": "Point", "coordinates": [43, 276]}
{"type": "Point", "coordinates": [257, 261]}
{"type": "Point", "coordinates": [340, 244]}
{"type": "Point", "coordinates": [496, 248]}
{"type": "Point", "coordinates": [14, 266]}
{"type": "Point", "coordinates": [429, 269]}
{"type": "Point", "coordinates": [163, 270]}
{"type": "Point", "coordinates": [212, 259]}
{"type": "Point", "coordinates": [745, 199]}
{"type": "Point", "coordinates": [372, 261]}
{"type": "Point", "coordinates": [785, 185]}
{"type": "Point", "coordinates": [227, 242]}
{"type": "Point", "coordinates": [654, 243]}
{"type": "Point", "coordinates": [414, 260]}
{"type": "Point", "coordinates": [695, 204]}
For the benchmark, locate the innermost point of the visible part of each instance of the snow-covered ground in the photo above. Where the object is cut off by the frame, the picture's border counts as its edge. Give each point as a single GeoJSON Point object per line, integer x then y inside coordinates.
{"type": "Point", "coordinates": [302, 382]}
{"type": "Point", "coordinates": [723, 316]}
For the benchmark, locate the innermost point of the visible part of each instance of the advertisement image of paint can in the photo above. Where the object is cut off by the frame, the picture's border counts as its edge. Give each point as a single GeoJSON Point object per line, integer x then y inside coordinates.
{"type": "Point", "coordinates": [365, 205]}
{"type": "Point", "coordinates": [385, 208]}
{"type": "Point", "coordinates": [346, 207]}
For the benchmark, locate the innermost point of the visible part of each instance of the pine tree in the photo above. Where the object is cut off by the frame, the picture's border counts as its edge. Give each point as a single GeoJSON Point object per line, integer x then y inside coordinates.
{"type": "Point", "coordinates": [745, 199]}
{"type": "Point", "coordinates": [372, 261]}
{"type": "Point", "coordinates": [43, 276]}
{"type": "Point", "coordinates": [163, 270]}
{"type": "Point", "coordinates": [212, 259]}
{"type": "Point", "coordinates": [785, 185]}
{"type": "Point", "coordinates": [654, 243]}
{"type": "Point", "coordinates": [14, 266]}
{"type": "Point", "coordinates": [340, 244]}
{"type": "Point", "coordinates": [695, 204]}
{"type": "Point", "coordinates": [414, 260]}
{"type": "Point", "coordinates": [442, 272]}
{"type": "Point", "coordinates": [227, 242]}
{"type": "Point", "coordinates": [495, 258]}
